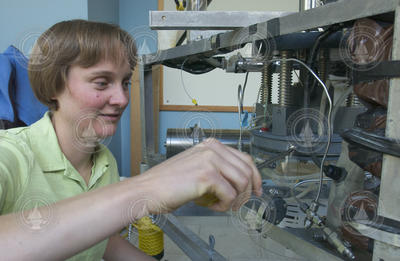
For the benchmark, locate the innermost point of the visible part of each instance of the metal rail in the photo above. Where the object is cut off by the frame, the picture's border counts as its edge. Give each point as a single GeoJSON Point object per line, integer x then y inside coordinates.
{"type": "Point", "coordinates": [190, 243]}
{"type": "Point", "coordinates": [338, 12]}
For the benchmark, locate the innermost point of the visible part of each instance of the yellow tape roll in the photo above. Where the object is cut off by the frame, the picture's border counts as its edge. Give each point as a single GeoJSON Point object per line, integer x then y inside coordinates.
{"type": "Point", "coordinates": [151, 237]}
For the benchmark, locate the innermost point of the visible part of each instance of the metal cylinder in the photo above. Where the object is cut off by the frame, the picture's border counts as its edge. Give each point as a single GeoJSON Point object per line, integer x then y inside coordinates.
{"type": "Point", "coordinates": [307, 4]}
{"type": "Point", "coordinates": [197, 5]}
{"type": "Point", "coordinates": [180, 139]}
{"type": "Point", "coordinates": [266, 85]}
{"type": "Point", "coordinates": [285, 81]}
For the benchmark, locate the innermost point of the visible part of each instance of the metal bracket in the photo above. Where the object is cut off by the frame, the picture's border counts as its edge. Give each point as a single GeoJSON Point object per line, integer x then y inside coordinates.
{"type": "Point", "coordinates": [273, 27]}
{"type": "Point", "coordinates": [380, 71]}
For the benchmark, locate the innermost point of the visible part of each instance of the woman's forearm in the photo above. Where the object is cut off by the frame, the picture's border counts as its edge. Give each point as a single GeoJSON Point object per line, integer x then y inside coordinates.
{"type": "Point", "coordinates": [80, 222]}
{"type": "Point", "coordinates": [76, 223]}
{"type": "Point", "coordinates": [119, 249]}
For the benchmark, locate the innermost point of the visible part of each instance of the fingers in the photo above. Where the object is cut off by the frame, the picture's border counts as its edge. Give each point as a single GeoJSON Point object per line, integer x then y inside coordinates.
{"type": "Point", "coordinates": [256, 178]}
{"type": "Point", "coordinates": [210, 168]}
{"type": "Point", "coordinates": [238, 176]}
{"type": "Point", "coordinates": [243, 165]}
{"type": "Point", "coordinates": [225, 193]}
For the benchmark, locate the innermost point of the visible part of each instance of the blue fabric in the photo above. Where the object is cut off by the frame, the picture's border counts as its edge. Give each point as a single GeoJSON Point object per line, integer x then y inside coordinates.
{"type": "Point", "coordinates": [28, 108]}
{"type": "Point", "coordinates": [6, 111]}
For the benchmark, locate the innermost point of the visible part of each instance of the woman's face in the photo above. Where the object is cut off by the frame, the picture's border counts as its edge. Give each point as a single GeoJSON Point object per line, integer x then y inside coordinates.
{"type": "Point", "coordinates": [94, 98]}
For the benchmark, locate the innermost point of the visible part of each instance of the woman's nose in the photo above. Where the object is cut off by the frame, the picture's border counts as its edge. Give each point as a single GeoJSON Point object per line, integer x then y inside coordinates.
{"type": "Point", "coordinates": [119, 96]}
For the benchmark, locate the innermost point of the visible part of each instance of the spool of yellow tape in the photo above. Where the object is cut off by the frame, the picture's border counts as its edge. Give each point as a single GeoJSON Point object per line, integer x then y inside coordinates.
{"type": "Point", "coordinates": [151, 237]}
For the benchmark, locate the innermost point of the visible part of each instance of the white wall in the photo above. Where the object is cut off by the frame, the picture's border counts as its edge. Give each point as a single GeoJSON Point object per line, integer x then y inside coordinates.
{"type": "Point", "coordinates": [106, 11]}
{"type": "Point", "coordinates": [22, 21]}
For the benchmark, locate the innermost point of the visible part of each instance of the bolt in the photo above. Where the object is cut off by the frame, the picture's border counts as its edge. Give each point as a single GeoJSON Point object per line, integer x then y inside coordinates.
{"type": "Point", "coordinates": [211, 241]}
{"type": "Point", "coordinates": [307, 224]}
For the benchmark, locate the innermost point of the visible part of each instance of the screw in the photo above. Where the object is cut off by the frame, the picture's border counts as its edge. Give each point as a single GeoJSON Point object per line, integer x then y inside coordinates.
{"type": "Point", "coordinates": [211, 241]}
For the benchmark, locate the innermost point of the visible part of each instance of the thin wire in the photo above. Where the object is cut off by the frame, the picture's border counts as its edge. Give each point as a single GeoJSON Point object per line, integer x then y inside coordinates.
{"type": "Point", "coordinates": [183, 83]}
{"type": "Point", "coordinates": [329, 117]}
{"type": "Point", "coordinates": [329, 120]}
{"type": "Point", "coordinates": [240, 108]}
{"type": "Point", "coordinates": [309, 180]}
{"type": "Point", "coordinates": [240, 117]}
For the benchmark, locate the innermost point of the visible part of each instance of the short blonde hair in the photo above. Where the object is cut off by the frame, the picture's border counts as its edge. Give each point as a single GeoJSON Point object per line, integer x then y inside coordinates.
{"type": "Point", "coordinates": [75, 42]}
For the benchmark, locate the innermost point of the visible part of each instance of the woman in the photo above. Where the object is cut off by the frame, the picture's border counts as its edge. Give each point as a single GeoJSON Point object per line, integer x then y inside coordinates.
{"type": "Point", "coordinates": [59, 192]}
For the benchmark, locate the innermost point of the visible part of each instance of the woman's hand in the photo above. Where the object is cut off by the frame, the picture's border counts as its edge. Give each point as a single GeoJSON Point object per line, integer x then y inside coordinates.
{"type": "Point", "coordinates": [208, 168]}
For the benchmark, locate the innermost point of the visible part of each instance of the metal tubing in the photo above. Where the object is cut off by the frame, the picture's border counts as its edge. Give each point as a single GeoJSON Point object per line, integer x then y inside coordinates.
{"type": "Point", "coordinates": [143, 108]}
{"type": "Point", "coordinates": [180, 139]}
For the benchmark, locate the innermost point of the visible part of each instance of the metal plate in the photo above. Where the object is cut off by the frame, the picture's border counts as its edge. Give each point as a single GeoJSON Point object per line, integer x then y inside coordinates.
{"type": "Point", "coordinates": [209, 20]}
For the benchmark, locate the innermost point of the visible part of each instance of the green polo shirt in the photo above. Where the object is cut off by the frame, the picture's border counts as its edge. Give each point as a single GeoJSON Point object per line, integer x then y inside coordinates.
{"type": "Point", "coordinates": [34, 172]}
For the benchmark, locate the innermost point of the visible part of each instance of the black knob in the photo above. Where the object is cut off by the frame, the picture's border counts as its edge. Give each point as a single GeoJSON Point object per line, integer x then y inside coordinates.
{"type": "Point", "coordinates": [334, 172]}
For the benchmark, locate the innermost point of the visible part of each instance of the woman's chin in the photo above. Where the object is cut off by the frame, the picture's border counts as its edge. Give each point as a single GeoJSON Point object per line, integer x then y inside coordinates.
{"type": "Point", "coordinates": [107, 131]}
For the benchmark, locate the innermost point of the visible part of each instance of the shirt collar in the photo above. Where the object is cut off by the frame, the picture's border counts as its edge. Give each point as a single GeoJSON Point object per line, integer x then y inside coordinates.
{"type": "Point", "coordinates": [45, 145]}
{"type": "Point", "coordinates": [47, 150]}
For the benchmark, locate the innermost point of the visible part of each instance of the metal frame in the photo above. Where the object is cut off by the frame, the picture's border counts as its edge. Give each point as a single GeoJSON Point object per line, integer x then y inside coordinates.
{"type": "Point", "coordinates": [209, 20]}
{"type": "Point", "coordinates": [310, 19]}
{"type": "Point", "coordinates": [190, 243]}
{"type": "Point", "coordinates": [339, 12]}
{"type": "Point", "coordinates": [390, 180]}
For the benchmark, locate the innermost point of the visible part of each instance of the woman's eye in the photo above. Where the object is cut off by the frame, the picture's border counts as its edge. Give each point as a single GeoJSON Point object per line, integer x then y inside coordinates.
{"type": "Point", "coordinates": [127, 84]}
{"type": "Point", "coordinates": [101, 84]}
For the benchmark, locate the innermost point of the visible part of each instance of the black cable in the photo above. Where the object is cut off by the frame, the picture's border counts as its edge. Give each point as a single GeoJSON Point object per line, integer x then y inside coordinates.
{"type": "Point", "coordinates": [312, 58]}
{"type": "Point", "coordinates": [181, 39]}
{"type": "Point", "coordinates": [199, 67]}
